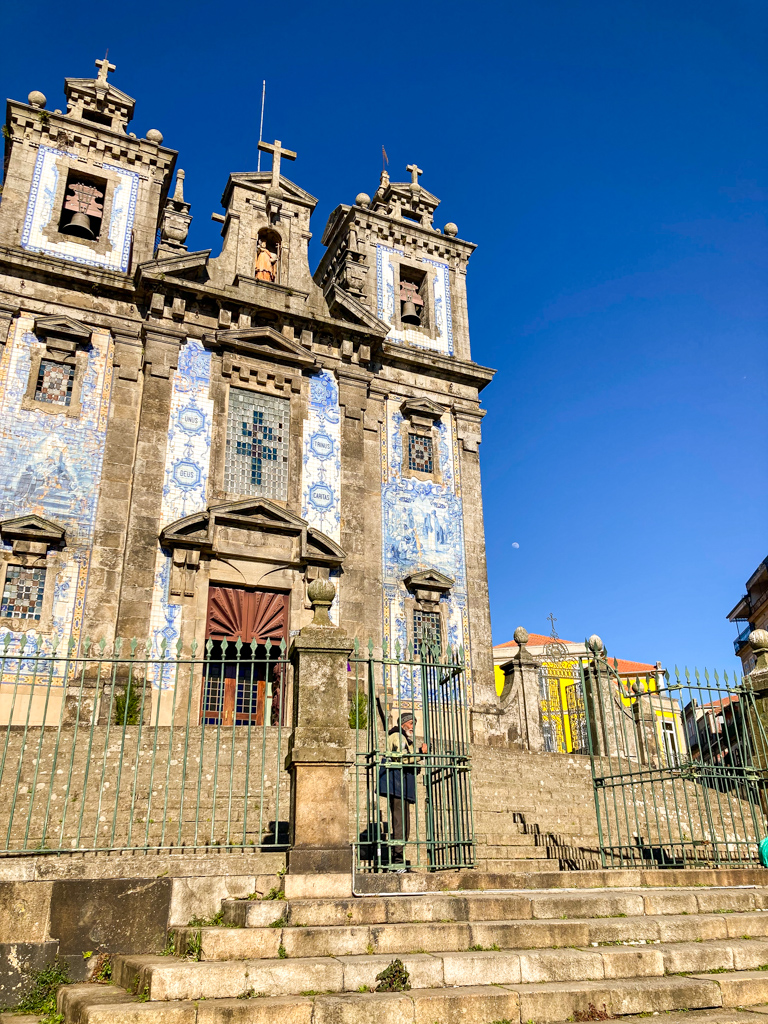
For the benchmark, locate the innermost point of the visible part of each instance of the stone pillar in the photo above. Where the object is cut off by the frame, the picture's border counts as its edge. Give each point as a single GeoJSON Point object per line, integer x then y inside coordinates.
{"type": "Point", "coordinates": [514, 720]}
{"type": "Point", "coordinates": [320, 751]}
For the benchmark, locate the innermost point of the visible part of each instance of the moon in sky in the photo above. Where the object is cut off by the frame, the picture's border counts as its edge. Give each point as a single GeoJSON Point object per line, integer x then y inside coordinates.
{"type": "Point", "coordinates": [515, 544]}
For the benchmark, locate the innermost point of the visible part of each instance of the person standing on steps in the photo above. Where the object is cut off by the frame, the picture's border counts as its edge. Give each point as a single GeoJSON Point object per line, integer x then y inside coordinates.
{"type": "Point", "coordinates": [397, 781]}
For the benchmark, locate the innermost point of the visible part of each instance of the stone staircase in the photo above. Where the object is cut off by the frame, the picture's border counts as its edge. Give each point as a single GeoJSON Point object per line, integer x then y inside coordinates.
{"type": "Point", "coordinates": [533, 808]}
{"type": "Point", "coordinates": [522, 957]}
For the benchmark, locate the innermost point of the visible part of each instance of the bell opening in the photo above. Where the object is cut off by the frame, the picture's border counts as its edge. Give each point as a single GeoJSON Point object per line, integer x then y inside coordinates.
{"type": "Point", "coordinates": [411, 301]}
{"type": "Point", "coordinates": [83, 207]}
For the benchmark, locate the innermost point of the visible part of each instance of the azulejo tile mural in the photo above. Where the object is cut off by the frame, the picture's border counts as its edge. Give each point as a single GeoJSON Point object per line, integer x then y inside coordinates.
{"type": "Point", "coordinates": [51, 465]}
{"type": "Point", "coordinates": [440, 289]}
{"type": "Point", "coordinates": [321, 462]}
{"type": "Point", "coordinates": [422, 528]}
{"type": "Point", "coordinates": [187, 463]}
{"type": "Point", "coordinates": [40, 211]}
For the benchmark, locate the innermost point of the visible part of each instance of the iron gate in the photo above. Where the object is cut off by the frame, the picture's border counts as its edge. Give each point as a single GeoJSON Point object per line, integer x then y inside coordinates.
{"type": "Point", "coordinates": [413, 798]}
{"type": "Point", "coordinates": [561, 701]}
{"type": "Point", "coordinates": [679, 768]}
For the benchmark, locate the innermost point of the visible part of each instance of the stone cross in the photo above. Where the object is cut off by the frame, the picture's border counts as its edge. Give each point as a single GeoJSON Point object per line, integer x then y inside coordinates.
{"type": "Point", "coordinates": [277, 151]}
{"type": "Point", "coordinates": [104, 68]}
{"type": "Point", "coordinates": [414, 172]}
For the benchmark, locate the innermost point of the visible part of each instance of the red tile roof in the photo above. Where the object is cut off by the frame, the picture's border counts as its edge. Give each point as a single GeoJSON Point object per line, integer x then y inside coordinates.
{"type": "Point", "coordinates": [536, 640]}
{"type": "Point", "coordinates": [625, 667]}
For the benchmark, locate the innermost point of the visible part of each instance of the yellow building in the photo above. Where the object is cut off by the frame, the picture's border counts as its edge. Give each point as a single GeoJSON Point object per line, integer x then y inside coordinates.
{"type": "Point", "coordinates": [562, 704]}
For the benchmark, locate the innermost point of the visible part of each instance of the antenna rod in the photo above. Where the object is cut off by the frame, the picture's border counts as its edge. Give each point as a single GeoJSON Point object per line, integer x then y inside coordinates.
{"type": "Point", "coordinates": [261, 123]}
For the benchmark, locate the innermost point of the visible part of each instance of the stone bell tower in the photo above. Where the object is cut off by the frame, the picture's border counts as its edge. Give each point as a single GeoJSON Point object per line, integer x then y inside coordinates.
{"type": "Point", "coordinates": [387, 264]}
{"type": "Point", "coordinates": [77, 187]}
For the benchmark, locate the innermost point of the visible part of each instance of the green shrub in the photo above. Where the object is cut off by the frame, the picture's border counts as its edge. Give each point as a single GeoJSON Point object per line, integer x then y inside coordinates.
{"type": "Point", "coordinates": [358, 711]}
{"type": "Point", "coordinates": [127, 706]}
{"type": "Point", "coordinates": [41, 997]}
{"type": "Point", "coordinates": [394, 978]}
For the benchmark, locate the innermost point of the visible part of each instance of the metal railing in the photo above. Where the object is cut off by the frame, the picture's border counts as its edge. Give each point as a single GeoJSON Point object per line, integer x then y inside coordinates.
{"type": "Point", "coordinates": [129, 747]}
{"type": "Point", "coordinates": [679, 768]}
{"type": "Point", "coordinates": [405, 774]}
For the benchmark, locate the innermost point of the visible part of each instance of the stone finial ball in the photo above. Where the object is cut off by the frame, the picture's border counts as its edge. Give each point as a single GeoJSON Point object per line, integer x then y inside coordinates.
{"type": "Point", "coordinates": [362, 199]}
{"type": "Point", "coordinates": [758, 639]}
{"type": "Point", "coordinates": [595, 643]}
{"type": "Point", "coordinates": [321, 591]}
{"type": "Point", "coordinates": [450, 229]}
{"type": "Point", "coordinates": [153, 135]}
{"type": "Point", "coordinates": [36, 99]}
{"type": "Point", "coordinates": [521, 636]}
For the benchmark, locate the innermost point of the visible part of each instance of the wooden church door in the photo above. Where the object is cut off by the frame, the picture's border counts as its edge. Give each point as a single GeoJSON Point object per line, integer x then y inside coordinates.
{"type": "Point", "coordinates": [235, 690]}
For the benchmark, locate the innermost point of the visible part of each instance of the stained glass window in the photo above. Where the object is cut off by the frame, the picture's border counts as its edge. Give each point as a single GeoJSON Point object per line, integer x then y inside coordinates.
{"type": "Point", "coordinates": [54, 382]}
{"type": "Point", "coordinates": [23, 592]}
{"type": "Point", "coordinates": [426, 627]}
{"type": "Point", "coordinates": [257, 445]}
{"type": "Point", "coordinates": [420, 453]}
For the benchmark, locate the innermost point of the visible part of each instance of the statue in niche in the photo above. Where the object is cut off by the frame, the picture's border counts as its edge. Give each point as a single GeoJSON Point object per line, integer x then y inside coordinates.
{"type": "Point", "coordinates": [265, 263]}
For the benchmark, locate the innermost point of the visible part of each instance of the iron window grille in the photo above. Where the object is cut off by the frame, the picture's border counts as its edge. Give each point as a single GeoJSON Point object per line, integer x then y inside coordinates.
{"type": "Point", "coordinates": [257, 445]}
{"type": "Point", "coordinates": [426, 628]}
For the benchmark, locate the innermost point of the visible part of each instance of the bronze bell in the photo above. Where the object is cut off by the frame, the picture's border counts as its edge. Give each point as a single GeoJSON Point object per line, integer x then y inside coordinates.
{"type": "Point", "coordinates": [80, 226]}
{"type": "Point", "coordinates": [410, 314]}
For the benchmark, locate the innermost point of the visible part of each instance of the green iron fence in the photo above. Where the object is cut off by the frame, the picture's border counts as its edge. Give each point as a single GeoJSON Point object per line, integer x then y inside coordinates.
{"type": "Point", "coordinates": [127, 747]}
{"type": "Point", "coordinates": [413, 795]}
{"type": "Point", "coordinates": [679, 768]}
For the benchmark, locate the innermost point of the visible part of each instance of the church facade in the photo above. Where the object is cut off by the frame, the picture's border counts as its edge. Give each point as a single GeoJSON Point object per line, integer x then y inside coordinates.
{"type": "Point", "coordinates": [189, 439]}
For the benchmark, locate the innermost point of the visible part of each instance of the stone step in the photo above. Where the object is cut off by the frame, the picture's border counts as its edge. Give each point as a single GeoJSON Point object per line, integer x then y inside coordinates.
{"type": "Point", "coordinates": [519, 906]}
{"type": "Point", "coordinates": [540, 1002]}
{"type": "Point", "coordinates": [171, 978]}
{"type": "Point", "coordinates": [229, 944]}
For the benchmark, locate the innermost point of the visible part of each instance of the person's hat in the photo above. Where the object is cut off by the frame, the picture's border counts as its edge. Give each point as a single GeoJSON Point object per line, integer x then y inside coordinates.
{"type": "Point", "coordinates": [406, 717]}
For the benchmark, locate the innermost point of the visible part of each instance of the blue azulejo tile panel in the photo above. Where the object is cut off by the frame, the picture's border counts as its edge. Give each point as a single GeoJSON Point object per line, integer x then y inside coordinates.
{"type": "Point", "coordinates": [41, 213]}
{"type": "Point", "coordinates": [321, 462]}
{"type": "Point", "coordinates": [440, 338]}
{"type": "Point", "coordinates": [422, 528]}
{"type": "Point", "coordinates": [185, 486]}
{"type": "Point", "coordinates": [51, 464]}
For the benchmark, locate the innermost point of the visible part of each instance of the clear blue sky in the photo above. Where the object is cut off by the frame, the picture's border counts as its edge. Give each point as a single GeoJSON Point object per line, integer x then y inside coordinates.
{"type": "Point", "coordinates": [609, 158]}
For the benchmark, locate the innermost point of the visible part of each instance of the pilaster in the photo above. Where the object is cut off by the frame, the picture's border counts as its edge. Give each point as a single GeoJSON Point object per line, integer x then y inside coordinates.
{"type": "Point", "coordinates": [112, 514]}
{"type": "Point", "coordinates": [161, 352]}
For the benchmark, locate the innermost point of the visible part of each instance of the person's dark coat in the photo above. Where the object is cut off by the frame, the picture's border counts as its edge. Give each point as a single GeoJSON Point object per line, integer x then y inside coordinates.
{"type": "Point", "coordinates": [394, 780]}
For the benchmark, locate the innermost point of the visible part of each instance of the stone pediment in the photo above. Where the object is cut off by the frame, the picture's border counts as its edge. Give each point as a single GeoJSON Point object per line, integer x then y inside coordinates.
{"type": "Point", "coordinates": [185, 265]}
{"type": "Point", "coordinates": [404, 190]}
{"type": "Point", "coordinates": [263, 343]}
{"type": "Point", "coordinates": [428, 579]}
{"type": "Point", "coordinates": [260, 181]}
{"type": "Point", "coordinates": [109, 91]}
{"type": "Point", "coordinates": [31, 529]}
{"type": "Point", "coordinates": [222, 529]}
{"type": "Point", "coordinates": [63, 327]}
{"type": "Point", "coordinates": [421, 410]}
{"type": "Point", "coordinates": [341, 303]}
